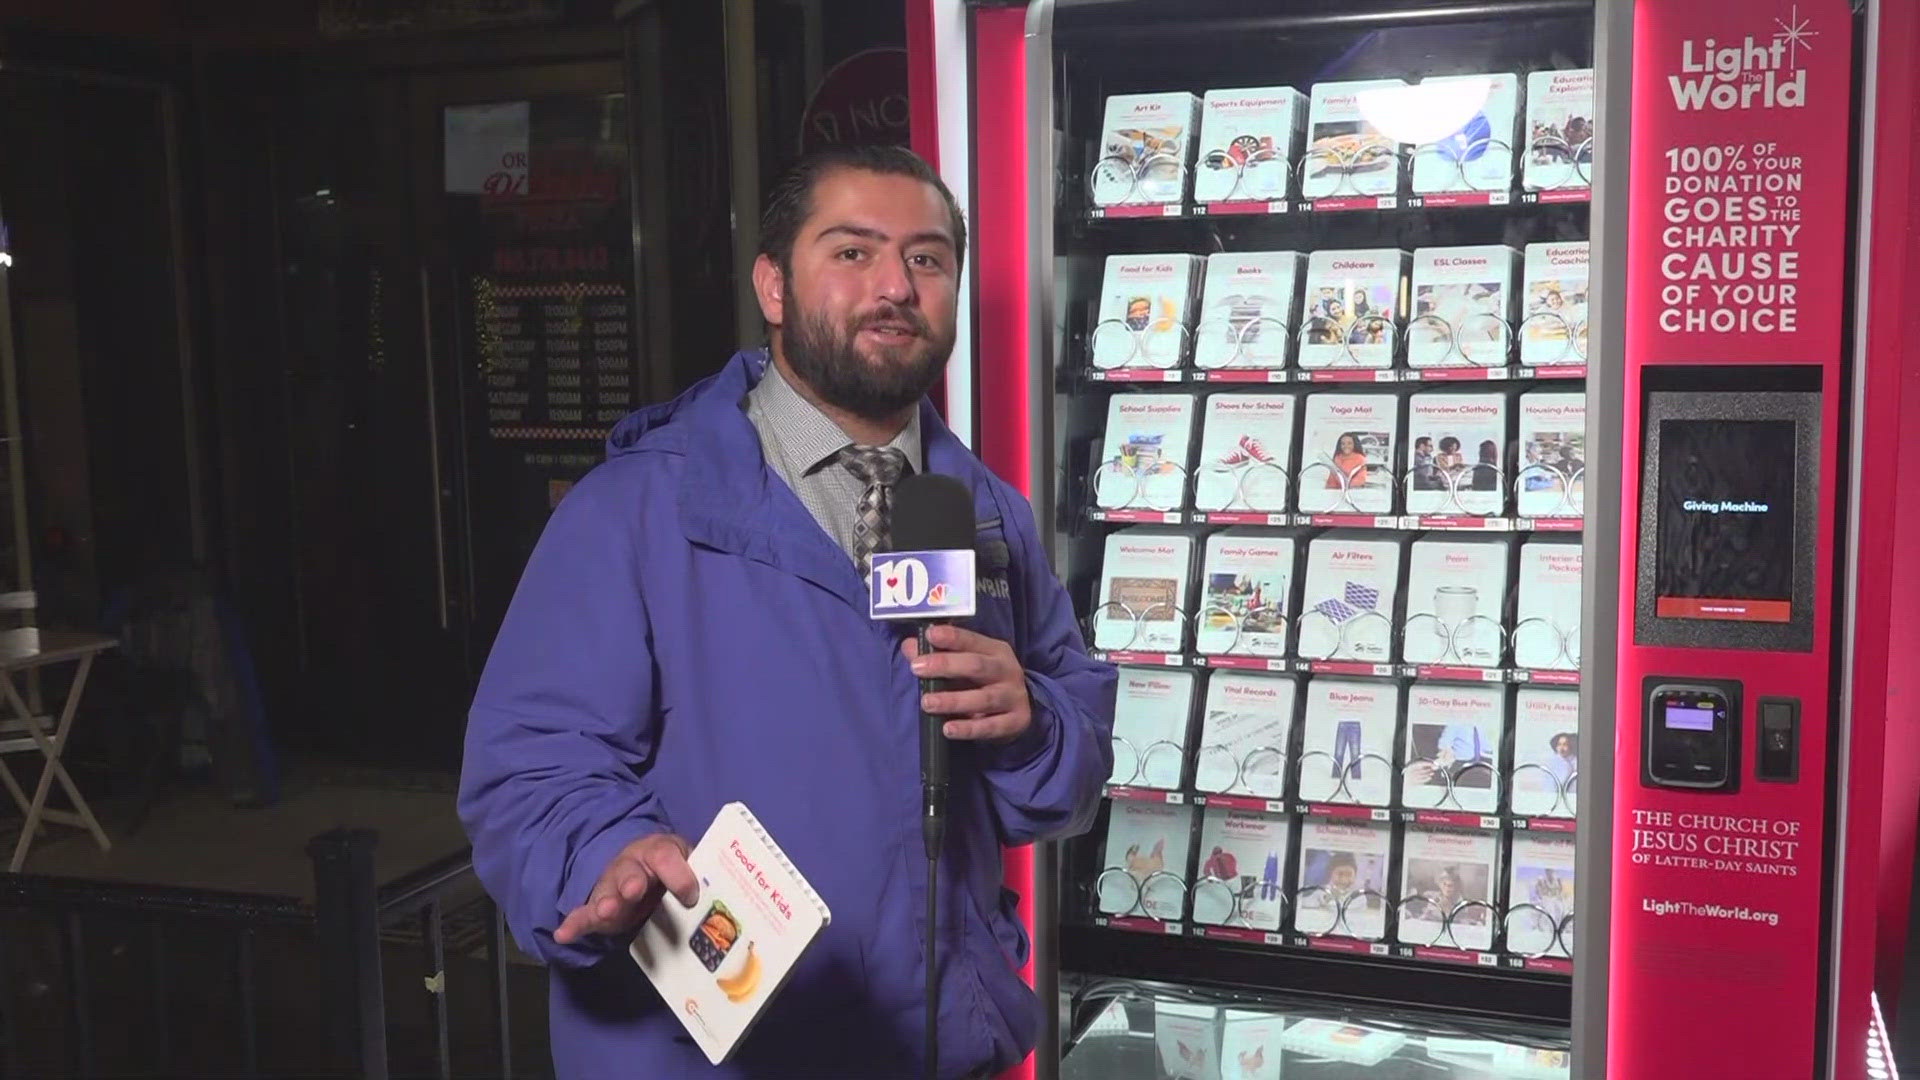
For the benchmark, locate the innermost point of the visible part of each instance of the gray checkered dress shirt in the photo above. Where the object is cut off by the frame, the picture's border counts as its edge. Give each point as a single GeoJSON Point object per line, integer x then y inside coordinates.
{"type": "Point", "coordinates": [802, 446]}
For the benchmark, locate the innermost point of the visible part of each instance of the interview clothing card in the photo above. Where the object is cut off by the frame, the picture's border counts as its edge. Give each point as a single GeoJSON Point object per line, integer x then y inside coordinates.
{"type": "Point", "coordinates": [722, 960]}
{"type": "Point", "coordinates": [1456, 453]}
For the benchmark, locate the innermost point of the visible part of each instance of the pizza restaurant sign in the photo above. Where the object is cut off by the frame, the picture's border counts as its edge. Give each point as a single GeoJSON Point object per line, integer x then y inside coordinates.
{"type": "Point", "coordinates": [861, 101]}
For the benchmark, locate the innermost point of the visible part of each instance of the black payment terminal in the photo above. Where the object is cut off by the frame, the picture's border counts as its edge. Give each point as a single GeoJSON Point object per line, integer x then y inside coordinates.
{"type": "Point", "coordinates": [1691, 734]}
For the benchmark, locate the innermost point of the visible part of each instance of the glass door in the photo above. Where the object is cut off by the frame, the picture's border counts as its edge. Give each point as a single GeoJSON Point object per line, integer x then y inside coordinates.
{"type": "Point", "coordinates": [1317, 284]}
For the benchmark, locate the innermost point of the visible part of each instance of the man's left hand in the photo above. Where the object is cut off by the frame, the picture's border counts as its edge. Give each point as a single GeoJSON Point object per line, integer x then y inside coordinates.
{"type": "Point", "coordinates": [987, 684]}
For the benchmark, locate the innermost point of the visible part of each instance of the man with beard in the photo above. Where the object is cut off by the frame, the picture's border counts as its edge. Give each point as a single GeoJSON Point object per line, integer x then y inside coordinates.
{"type": "Point", "coordinates": [692, 630]}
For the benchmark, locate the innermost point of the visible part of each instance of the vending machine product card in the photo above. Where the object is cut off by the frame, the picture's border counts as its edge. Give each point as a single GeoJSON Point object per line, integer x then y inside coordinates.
{"type": "Point", "coordinates": [1342, 879]}
{"type": "Point", "coordinates": [1447, 878]}
{"type": "Point", "coordinates": [1146, 457]}
{"type": "Point", "coordinates": [1150, 713]}
{"type": "Point", "coordinates": [1546, 628]}
{"type": "Point", "coordinates": [1346, 749]}
{"type": "Point", "coordinates": [1350, 305]}
{"type": "Point", "coordinates": [1187, 1037]}
{"type": "Point", "coordinates": [1478, 154]}
{"type": "Point", "coordinates": [1552, 473]}
{"type": "Point", "coordinates": [1346, 155]}
{"type": "Point", "coordinates": [1246, 453]}
{"type": "Point", "coordinates": [1249, 139]}
{"type": "Point", "coordinates": [1559, 151]}
{"type": "Point", "coordinates": [1337, 1040]}
{"type": "Point", "coordinates": [1347, 607]}
{"type": "Point", "coordinates": [1452, 758]}
{"type": "Point", "coordinates": [1463, 300]}
{"type": "Point", "coordinates": [1246, 735]}
{"type": "Point", "coordinates": [1346, 453]}
{"type": "Point", "coordinates": [1553, 329]}
{"type": "Point", "coordinates": [1456, 454]}
{"type": "Point", "coordinates": [1250, 1045]}
{"type": "Point", "coordinates": [1143, 591]}
{"type": "Point", "coordinates": [1146, 861]}
{"type": "Point", "coordinates": [1250, 310]}
{"type": "Point", "coordinates": [1247, 604]}
{"type": "Point", "coordinates": [1540, 897]}
{"type": "Point", "coordinates": [1456, 600]}
{"type": "Point", "coordinates": [1243, 860]}
{"type": "Point", "coordinates": [727, 956]}
{"type": "Point", "coordinates": [1546, 752]}
{"type": "Point", "coordinates": [1146, 312]}
{"type": "Point", "coordinates": [1146, 150]}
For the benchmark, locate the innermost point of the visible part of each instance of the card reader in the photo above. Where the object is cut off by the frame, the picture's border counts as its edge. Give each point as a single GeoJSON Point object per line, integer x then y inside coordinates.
{"type": "Point", "coordinates": [1691, 734]}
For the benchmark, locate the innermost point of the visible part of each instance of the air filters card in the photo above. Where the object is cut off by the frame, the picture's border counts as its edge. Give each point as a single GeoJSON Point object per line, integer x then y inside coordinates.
{"type": "Point", "coordinates": [1347, 608]}
{"type": "Point", "coordinates": [1463, 300]}
{"type": "Point", "coordinates": [1559, 151]}
{"type": "Point", "coordinates": [1186, 1036]}
{"type": "Point", "coordinates": [1350, 303]}
{"type": "Point", "coordinates": [1146, 151]}
{"type": "Point", "coordinates": [1546, 752]}
{"type": "Point", "coordinates": [1145, 867]}
{"type": "Point", "coordinates": [1540, 896]}
{"type": "Point", "coordinates": [1245, 735]}
{"type": "Point", "coordinates": [1248, 140]}
{"type": "Point", "coordinates": [1143, 591]}
{"type": "Point", "coordinates": [1146, 311]}
{"type": "Point", "coordinates": [1447, 878]}
{"type": "Point", "coordinates": [1246, 453]}
{"type": "Point", "coordinates": [1246, 603]}
{"type": "Point", "coordinates": [1145, 459]}
{"type": "Point", "coordinates": [1342, 879]}
{"type": "Point", "coordinates": [1456, 453]}
{"type": "Point", "coordinates": [1546, 624]}
{"type": "Point", "coordinates": [1553, 329]}
{"type": "Point", "coordinates": [1346, 749]}
{"type": "Point", "coordinates": [1478, 154]}
{"type": "Point", "coordinates": [1346, 453]}
{"type": "Point", "coordinates": [1243, 860]}
{"type": "Point", "coordinates": [1150, 712]}
{"type": "Point", "coordinates": [1456, 600]}
{"type": "Point", "coordinates": [1346, 154]}
{"type": "Point", "coordinates": [1452, 757]}
{"type": "Point", "coordinates": [1250, 309]}
{"type": "Point", "coordinates": [1552, 473]}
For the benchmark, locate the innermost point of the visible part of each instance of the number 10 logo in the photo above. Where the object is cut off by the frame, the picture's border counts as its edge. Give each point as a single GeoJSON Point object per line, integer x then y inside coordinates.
{"type": "Point", "coordinates": [922, 583]}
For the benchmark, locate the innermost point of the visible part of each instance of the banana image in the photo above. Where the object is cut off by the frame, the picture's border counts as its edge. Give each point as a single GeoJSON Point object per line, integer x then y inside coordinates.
{"type": "Point", "coordinates": [740, 985]}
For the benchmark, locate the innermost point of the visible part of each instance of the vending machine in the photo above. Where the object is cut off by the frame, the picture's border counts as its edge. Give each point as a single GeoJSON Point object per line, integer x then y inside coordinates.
{"type": "Point", "coordinates": [1472, 431]}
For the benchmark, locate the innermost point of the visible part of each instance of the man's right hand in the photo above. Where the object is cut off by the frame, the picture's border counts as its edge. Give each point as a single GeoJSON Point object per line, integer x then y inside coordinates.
{"type": "Point", "coordinates": [630, 888]}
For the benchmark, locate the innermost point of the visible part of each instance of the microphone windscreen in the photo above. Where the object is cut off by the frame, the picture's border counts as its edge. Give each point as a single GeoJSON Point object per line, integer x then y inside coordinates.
{"type": "Point", "coordinates": [932, 512]}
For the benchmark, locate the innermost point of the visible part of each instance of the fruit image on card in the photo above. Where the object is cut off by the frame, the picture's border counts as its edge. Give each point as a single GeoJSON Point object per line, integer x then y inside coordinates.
{"type": "Point", "coordinates": [715, 936]}
{"type": "Point", "coordinates": [740, 983]}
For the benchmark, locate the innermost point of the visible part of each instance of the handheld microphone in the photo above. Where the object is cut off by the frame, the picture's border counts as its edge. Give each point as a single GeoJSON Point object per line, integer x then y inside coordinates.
{"type": "Point", "coordinates": [928, 577]}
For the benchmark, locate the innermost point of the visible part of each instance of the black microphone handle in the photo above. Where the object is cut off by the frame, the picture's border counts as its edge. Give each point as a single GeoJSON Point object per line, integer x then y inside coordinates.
{"type": "Point", "coordinates": [933, 763]}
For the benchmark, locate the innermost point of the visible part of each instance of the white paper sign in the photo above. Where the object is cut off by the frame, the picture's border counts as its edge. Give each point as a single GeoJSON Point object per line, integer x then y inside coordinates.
{"type": "Point", "coordinates": [486, 148]}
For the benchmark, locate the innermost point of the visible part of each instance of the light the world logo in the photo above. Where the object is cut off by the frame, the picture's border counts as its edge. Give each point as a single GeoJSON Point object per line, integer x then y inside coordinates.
{"type": "Point", "coordinates": [1748, 75]}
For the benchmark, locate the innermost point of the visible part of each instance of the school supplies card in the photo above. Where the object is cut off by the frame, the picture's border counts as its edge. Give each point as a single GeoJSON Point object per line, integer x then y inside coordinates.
{"type": "Point", "coordinates": [721, 961]}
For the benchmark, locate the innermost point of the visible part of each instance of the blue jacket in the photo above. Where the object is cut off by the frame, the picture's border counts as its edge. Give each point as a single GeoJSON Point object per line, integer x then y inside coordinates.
{"type": "Point", "coordinates": [685, 635]}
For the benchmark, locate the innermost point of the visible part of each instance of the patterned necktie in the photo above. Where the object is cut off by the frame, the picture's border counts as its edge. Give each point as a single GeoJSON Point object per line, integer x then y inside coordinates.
{"type": "Point", "coordinates": [878, 467]}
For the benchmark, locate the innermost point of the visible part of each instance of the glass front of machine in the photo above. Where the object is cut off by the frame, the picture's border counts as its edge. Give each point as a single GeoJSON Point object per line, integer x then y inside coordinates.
{"type": "Point", "coordinates": [1316, 276]}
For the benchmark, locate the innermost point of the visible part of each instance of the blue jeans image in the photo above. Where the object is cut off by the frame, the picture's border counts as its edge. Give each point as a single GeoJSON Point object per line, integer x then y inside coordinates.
{"type": "Point", "coordinates": [1270, 877]}
{"type": "Point", "coordinates": [1346, 747]}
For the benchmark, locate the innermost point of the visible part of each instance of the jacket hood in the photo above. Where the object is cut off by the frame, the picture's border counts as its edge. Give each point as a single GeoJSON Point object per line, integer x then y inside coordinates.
{"type": "Point", "coordinates": [726, 386]}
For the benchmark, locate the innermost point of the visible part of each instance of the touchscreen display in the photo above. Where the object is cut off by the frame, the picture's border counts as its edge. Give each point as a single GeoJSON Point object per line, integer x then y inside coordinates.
{"type": "Point", "coordinates": [1725, 521]}
{"type": "Point", "coordinates": [1689, 718]}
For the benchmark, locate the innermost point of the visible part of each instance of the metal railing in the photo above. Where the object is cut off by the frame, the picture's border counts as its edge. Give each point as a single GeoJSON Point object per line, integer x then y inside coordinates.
{"type": "Point", "coordinates": [353, 918]}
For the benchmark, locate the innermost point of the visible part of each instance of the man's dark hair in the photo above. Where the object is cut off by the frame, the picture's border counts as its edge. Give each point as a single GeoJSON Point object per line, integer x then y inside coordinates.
{"type": "Point", "coordinates": [790, 202]}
